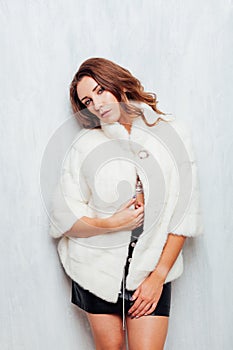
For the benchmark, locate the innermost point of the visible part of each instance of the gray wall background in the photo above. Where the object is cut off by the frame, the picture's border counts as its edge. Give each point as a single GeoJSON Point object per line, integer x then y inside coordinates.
{"type": "Point", "coordinates": [182, 50]}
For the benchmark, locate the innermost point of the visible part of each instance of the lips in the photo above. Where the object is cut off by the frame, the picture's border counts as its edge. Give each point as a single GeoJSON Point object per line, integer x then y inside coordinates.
{"type": "Point", "coordinates": [103, 114]}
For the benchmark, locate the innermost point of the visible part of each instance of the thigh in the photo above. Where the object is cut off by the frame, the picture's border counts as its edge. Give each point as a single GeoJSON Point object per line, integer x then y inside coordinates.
{"type": "Point", "coordinates": [107, 331]}
{"type": "Point", "coordinates": [147, 332]}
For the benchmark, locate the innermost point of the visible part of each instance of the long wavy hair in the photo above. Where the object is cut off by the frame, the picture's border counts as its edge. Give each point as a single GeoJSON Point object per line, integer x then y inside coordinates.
{"type": "Point", "coordinates": [120, 82]}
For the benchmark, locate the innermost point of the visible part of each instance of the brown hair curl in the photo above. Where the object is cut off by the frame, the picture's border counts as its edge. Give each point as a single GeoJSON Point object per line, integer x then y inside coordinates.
{"type": "Point", "coordinates": [120, 82]}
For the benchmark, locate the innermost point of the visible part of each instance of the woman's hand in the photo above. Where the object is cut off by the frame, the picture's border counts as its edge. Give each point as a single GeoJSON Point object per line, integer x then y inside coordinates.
{"type": "Point", "coordinates": [146, 296]}
{"type": "Point", "coordinates": [128, 219]}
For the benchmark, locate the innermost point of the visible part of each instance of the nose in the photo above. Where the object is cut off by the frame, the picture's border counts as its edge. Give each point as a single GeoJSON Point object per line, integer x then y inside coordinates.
{"type": "Point", "coordinates": [98, 102]}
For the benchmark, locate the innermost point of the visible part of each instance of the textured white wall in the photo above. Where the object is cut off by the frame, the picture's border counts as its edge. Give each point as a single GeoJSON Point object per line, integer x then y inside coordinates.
{"type": "Point", "coordinates": [182, 50]}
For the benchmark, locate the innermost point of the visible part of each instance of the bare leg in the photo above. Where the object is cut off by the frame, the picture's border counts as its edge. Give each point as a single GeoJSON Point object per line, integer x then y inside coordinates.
{"type": "Point", "coordinates": [107, 331]}
{"type": "Point", "coordinates": [147, 332]}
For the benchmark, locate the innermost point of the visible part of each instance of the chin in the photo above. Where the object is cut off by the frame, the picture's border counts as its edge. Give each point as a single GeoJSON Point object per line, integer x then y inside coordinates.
{"type": "Point", "coordinates": [110, 119]}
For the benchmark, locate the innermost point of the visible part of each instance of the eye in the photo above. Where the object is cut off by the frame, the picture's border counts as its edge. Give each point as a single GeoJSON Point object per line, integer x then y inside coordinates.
{"type": "Point", "coordinates": [101, 90]}
{"type": "Point", "coordinates": [87, 102]}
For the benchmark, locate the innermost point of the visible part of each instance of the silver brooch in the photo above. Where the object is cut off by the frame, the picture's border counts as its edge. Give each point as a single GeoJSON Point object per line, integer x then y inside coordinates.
{"type": "Point", "coordinates": [143, 154]}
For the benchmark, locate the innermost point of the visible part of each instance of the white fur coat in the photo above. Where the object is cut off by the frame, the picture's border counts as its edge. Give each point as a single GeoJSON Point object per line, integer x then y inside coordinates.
{"type": "Point", "coordinates": [99, 174]}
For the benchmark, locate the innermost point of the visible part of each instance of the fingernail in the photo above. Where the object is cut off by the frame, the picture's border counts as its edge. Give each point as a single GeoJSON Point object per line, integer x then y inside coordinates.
{"type": "Point", "coordinates": [134, 196]}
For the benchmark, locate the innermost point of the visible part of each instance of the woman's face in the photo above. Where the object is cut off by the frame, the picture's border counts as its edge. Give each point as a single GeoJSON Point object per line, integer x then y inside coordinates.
{"type": "Point", "coordinates": [100, 102]}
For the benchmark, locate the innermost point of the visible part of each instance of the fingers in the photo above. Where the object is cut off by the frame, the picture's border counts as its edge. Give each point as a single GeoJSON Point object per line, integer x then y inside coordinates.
{"type": "Point", "coordinates": [133, 309]}
{"type": "Point", "coordinates": [135, 294]}
{"type": "Point", "coordinates": [142, 305]}
{"type": "Point", "coordinates": [127, 204]}
{"type": "Point", "coordinates": [138, 206]}
{"type": "Point", "coordinates": [143, 309]}
{"type": "Point", "coordinates": [153, 306]}
{"type": "Point", "coordinates": [130, 202]}
{"type": "Point", "coordinates": [140, 209]}
{"type": "Point", "coordinates": [136, 224]}
{"type": "Point", "coordinates": [140, 223]}
{"type": "Point", "coordinates": [140, 216]}
{"type": "Point", "coordinates": [126, 218]}
{"type": "Point", "coordinates": [140, 219]}
{"type": "Point", "coordinates": [139, 311]}
{"type": "Point", "coordinates": [139, 308]}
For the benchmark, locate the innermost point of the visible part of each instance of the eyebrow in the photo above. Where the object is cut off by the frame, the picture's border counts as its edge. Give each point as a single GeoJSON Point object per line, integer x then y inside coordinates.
{"type": "Point", "coordinates": [92, 91]}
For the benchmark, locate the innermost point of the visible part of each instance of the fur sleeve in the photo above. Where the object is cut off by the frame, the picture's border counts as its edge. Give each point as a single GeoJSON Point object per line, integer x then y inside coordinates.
{"type": "Point", "coordinates": [70, 200]}
{"type": "Point", "coordinates": [187, 216]}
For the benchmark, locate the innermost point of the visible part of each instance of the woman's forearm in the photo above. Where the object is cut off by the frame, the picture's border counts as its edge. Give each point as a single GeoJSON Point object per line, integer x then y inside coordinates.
{"type": "Point", "coordinates": [169, 255]}
{"type": "Point", "coordinates": [87, 227]}
{"type": "Point", "coordinates": [124, 219]}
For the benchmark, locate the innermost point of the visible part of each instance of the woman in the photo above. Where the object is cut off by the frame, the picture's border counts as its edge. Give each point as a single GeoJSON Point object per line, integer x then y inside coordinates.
{"type": "Point", "coordinates": [119, 251]}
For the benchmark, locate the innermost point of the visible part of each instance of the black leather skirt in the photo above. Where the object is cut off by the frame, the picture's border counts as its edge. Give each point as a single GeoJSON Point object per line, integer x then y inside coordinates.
{"type": "Point", "coordinates": [91, 303]}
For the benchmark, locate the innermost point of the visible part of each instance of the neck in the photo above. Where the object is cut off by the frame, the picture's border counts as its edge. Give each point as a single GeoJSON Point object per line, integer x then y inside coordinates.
{"type": "Point", "coordinates": [126, 121]}
{"type": "Point", "coordinates": [127, 126]}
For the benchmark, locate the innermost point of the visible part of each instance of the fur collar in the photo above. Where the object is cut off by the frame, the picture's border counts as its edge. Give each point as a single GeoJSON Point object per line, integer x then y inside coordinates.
{"type": "Point", "coordinates": [117, 131]}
